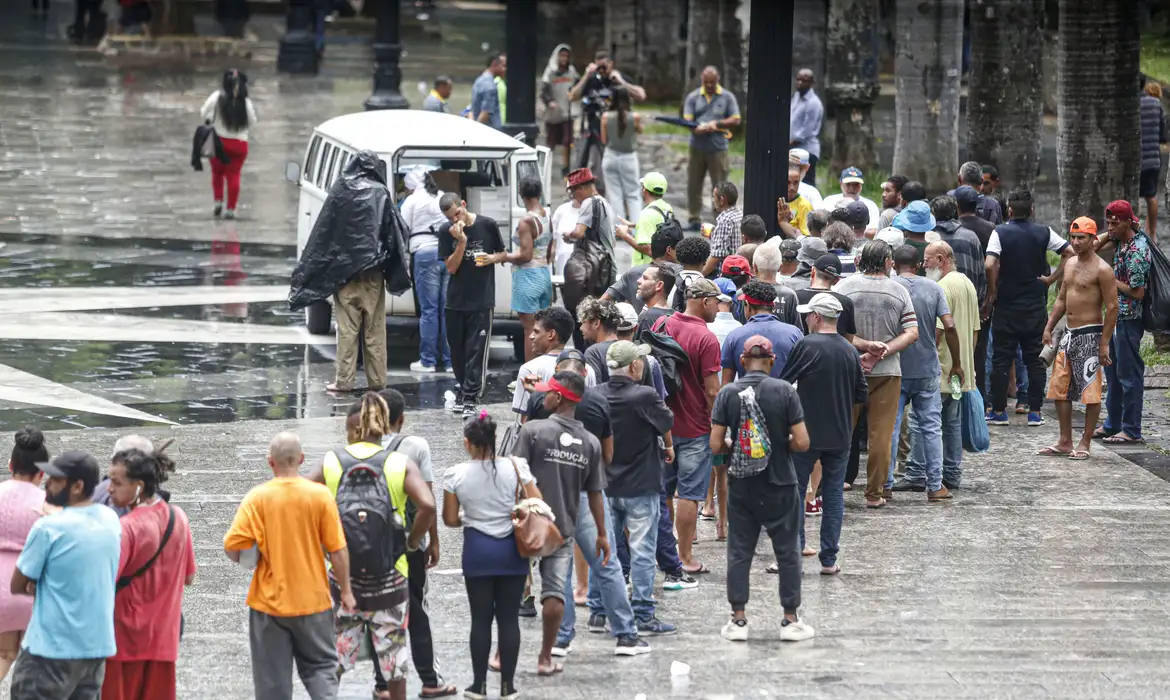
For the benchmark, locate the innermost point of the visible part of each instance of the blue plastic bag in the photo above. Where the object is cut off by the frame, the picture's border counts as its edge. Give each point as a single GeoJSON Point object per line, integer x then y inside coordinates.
{"type": "Point", "coordinates": [975, 435]}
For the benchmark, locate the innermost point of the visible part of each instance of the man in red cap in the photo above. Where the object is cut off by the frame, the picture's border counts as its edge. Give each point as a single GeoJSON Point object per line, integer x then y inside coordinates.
{"type": "Point", "coordinates": [1126, 375]}
{"type": "Point", "coordinates": [595, 224]}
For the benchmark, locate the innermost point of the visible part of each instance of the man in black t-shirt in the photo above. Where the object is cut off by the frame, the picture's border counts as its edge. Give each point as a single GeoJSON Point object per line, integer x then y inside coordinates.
{"type": "Point", "coordinates": [771, 499]}
{"type": "Point", "coordinates": [471, 293]}
{"type": "Point", "coordinates": [826, 272]}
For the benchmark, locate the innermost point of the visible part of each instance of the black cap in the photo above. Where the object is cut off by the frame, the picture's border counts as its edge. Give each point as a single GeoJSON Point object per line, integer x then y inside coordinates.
{"type": "Point", "coordinates": [75, 466]}
{"type": "Point", "coordinates": [829, 264]}
{"type": "Point", "coordinates": [967, 198]}
{"type": "Point", "coordinates": [857, 214]}
{"type": "Point", "coordinates": [570, 354]}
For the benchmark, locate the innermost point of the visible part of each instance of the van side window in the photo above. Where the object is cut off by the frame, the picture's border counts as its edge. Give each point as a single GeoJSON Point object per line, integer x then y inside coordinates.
{"type": "Point", "coordinates": [342, 161]}
{"type": "Point", "coordinates": [311, 159]}
{"type": "Point", "coordinates": [323, 170]}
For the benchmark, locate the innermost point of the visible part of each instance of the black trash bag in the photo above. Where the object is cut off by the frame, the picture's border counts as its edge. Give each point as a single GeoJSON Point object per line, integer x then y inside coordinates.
{"type": "Point", "coordinates": [359, 228]}
{"type": "Point", "coordinates": [1156, 309]}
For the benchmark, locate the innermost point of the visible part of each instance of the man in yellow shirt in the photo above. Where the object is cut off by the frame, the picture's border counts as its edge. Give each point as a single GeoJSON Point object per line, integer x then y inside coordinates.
{"type": "Point", "coordinates": [289, 520]}
{"type": "Point", "coordinates": [792, 211]}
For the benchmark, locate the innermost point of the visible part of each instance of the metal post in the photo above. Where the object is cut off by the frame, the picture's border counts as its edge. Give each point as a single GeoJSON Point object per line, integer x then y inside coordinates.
{"type": "Point", "coordinates": [520, 40]}
{"type": "Point", "coordinates": [387, 51]}
{"type": "Point", "coordinates": [768, 96]}
{"type": "Point", "coordinates": [298, 46]}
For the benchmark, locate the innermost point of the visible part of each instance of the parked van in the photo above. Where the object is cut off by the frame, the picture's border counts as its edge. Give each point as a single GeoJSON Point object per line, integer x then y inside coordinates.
{"type": "Point", "coordinates": [480, 163]}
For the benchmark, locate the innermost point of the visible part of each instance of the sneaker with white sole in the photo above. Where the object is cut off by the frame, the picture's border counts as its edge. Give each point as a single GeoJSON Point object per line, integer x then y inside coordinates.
{"type": "Point", "coordinates": [631, 645]}
{"type": "Point", "coordinates": [679, 582]}
{"type": "Point", "coordinates": [735, 630]}
{"type": "Point", "coordinates": [418, 366]}
{"type": "Point", "coordinates": [1035, 418]}
{"type": "Point", "coordinates": [597, 624]}
{"type": "Point", "coordinates": [562, 649]}
{"type": "Point", "coordinates": [795, 631]}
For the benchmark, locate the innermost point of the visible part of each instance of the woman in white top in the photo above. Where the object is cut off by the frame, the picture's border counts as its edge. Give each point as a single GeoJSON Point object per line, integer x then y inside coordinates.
{"type": "Point", "coordinates": [421, 213]}
{"type": "Point", "coordinates": [232, 114]}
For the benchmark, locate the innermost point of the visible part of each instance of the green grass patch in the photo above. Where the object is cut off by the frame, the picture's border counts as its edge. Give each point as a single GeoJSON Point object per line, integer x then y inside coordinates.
{"type": "Point", "coordinates": [1150, 355]}
{"type": "Point", "coordinates": [1156, 57]}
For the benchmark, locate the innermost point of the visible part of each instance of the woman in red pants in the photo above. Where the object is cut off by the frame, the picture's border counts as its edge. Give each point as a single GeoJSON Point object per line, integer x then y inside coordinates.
{"type": "Point", "coordinates": [232, 114]}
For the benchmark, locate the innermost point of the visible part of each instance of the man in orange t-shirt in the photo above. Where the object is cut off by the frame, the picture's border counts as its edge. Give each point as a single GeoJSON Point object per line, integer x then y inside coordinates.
{"type": "Point", "coordinates": [289, 519]}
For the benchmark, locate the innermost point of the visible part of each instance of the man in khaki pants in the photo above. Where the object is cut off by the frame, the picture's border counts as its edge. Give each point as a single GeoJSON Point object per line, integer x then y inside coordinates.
{"type": "Point", "coordinates": [361, 318]}
{"type": "Point", "coordinates": [715, 110]}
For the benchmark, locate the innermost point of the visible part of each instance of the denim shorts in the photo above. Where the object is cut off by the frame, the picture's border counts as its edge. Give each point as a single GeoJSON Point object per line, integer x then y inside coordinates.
{"type": "Point", "coordinates": [554, 571]}
{"type": "Point", "coordinates": [690, 474]}
{"type": "Point", "coordinates": [531, 289]}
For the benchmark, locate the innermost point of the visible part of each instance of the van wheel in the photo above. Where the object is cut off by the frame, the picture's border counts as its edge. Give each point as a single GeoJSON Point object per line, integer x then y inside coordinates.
{"type": "Point", "coordinates": [518, 346]}
{"type": "Point", "coordinates": [318, 317]}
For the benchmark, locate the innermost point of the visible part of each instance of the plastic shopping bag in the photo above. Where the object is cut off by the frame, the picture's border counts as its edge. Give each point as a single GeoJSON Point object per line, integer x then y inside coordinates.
{"type": "Point", "coordinates": [975, 435]}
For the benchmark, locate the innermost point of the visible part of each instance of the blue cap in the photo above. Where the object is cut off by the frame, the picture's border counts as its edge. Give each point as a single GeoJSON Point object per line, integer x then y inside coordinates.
{"type": "Point", "coordinates": [967, 197]}
{"type": "Point", "coordinates": [915, 217]}
{"type": "Point", "coordinates": [725, 285]}
{"type": "Point", "coordinates": [852, 174]}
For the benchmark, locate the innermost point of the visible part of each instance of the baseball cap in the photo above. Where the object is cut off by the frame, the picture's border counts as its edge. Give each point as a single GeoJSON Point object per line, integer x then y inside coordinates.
{"type": "Point", "coordinates": [852, 174]}
{"type": "Point", "coordinates": [1122, 210]}
{"type": "Point", "coordinates": [801, 155]}
{"type": "Point", "coordinates": [828, 264]}
{"type": "Point", "coordinates": [857, 214]}
{"type": "Point", "coordinates": [915, 217]}
{"type": "Point", "coordinates": [736, 265]}
{"type": "Point", "coordinates": [557, 388]}
{"type": "Point", "coordinates": [654, 183]}
{"type": "Point", "coordinates": [1083, 224]}
{"type": "Point", "coordinates": [967, 197]}
{"type": "Point", "coordinates": [823, 304]}
{"type": "Point", "coordinates": [623, 353]}
{"type": "Point", "coordinates": [725, 285]}
{"type": "Point", "coordinates": [570, 354]}
{"type": "Point", "coordinates": [629, 316]}
{"type": "Point", "coordinates": [705, 288]}
{"type": "Point", "coordinates": [811, 248]}
{"type": "Point", "coordinates": [74, 465]}
{"type": "Point", "coordinates": [758, 346]}
{"type": "Point", "coordinates": [789, 248]}
{"type": "Point", "coordinates": [892, 236]}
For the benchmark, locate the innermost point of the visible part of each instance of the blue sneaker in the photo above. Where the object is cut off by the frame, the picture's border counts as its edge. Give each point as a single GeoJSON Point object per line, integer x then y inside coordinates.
{"type": "Point", "coordinates": [1035, 418]}
{"type": "Point", "coordinates": [1000, 418]}
{"type": "Point", "coordinates": [652, 626]}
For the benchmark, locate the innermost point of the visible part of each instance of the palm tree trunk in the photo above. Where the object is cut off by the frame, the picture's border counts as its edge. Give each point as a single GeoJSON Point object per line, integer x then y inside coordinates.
{"type": "Point", "coordinates": [732, 65]}
{"type": "Point", "coordinates": [1099, 144]}
{"type": "Point", "coordinates": [1005, 100]}
{"type": "Point", "coordinates": [851, 81]}
{"type": "Point", "coordinates": [926, 74]}
{"type": "Point", "coordinates": [703, 46]}
{"type": "Point", "coordinates": [809, 25]}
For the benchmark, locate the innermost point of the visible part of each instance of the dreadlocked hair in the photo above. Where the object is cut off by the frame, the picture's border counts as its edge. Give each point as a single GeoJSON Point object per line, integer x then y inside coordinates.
{"type": "Point", "coordinates": [373, 415]}
{"type": "Point", "coordinates": [151, 469]}
{"type": "Point", "coordinates": [480, 432]}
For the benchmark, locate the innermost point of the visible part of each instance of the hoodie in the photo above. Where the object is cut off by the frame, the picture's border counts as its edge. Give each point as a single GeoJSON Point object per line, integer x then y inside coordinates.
{"type": "Point", "coordinates": [554, 88]}
{"type": "Point", "coordinates": [968, 253]}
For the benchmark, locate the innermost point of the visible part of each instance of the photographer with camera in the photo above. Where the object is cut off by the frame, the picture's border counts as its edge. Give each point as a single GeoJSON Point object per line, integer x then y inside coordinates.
{"type": "Point", "coordinates": [595, 90]}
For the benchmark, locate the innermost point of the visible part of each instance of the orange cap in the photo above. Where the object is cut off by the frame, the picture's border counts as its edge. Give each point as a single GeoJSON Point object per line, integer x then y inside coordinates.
{"type": "Point", "coordinates": [1083, 224]}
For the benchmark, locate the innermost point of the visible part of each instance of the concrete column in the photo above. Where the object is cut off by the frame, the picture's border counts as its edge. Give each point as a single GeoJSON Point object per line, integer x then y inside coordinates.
{"type": "Point", "coordinates": [769, 68]}
{"type": "Point", "coordinates": [298, 47]}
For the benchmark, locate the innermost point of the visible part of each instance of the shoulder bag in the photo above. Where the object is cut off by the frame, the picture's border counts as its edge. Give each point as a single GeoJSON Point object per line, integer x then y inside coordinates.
{"type": "Point", "coordinates": [536, 535]}
{"type": "Point", "coordinates": [127, 580]}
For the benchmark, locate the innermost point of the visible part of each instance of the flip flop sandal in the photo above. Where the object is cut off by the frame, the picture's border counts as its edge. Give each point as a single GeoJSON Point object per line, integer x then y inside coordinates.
{"type": "Point", "coordinates": [439, 691]}
{"type": "Point", "coordinates": [1051, 451]}
{"type": "Point", "coordinates": [556, 668]}
{"type": "Point", "coordinates": [697, 572]}
{"type": "Point", "coordinates": [830, 570]}
{"type": "Point", "coordinates": [1100, 434]}
{"type": "Point", "coordinates": [1122, 439]}
{"type": "Point", "coordinates": [704, 516]}
{"type": "Point", "coordinates": [879, 503]}
{"type": "Point", "coordinates": [1078, 455]}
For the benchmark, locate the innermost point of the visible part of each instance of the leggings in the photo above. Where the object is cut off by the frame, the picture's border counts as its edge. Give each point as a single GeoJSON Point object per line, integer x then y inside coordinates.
{"type": "Point", "coordinates": [495, 597]}
{"type": "Point", "coordinates": [237, 153]}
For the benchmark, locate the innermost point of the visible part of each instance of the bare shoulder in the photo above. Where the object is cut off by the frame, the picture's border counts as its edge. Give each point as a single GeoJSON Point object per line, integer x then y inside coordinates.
{"type": "Point", "coordinates": [1103, 268]}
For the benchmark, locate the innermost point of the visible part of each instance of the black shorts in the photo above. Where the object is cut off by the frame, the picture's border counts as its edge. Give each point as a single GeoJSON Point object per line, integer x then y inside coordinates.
{"type": "Point", "coordinates": [559, 134]}
{"type": "Point", "coordinates": [1149, 183]}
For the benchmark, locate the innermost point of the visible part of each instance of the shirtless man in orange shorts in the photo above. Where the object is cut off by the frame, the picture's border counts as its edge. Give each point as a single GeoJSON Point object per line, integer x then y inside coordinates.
{"type": "Point", "coordinates": [1084, 349]}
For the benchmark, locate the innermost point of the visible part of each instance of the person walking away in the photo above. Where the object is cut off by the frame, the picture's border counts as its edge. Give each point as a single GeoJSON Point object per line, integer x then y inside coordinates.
{"type": "Point", "coordinates": [725, 237]}
{"type": "Point", "coordinates": [915, 221]}
{"type": "Point", "coordinates": [826, 272]}
{"type": "Point", "coordinates": [471, 294]}
{"type": "Point", "coordinates": [230, 111]}
{"type": "Point", "coordinates": [157, 563]}
{"type": "Point", "coordinates": [831, 385]}
{"type": "Point", "coordinates": [1125, 375]}
{"type": "Point", "coordinates": [423, 219]}
{"type": "Point", "coordinates": [486, 107]}
{"type": "Point", "coordinates": [967, 199]}
{"type": "Point", "coordinates": [437, 99]}
{"type": "Point", "coordinates": [289, 520]}
{"type": "Point", "coordinates": [767, 264]}
{"type": "Point", "coordinates": [592, 273]}
{"type": "Point", "coordinates": [69, 566]}
{"type": "Point", "coordinates": [762, 419]}
{"type": "Point", "coordinates": [417, 450]}
{"type": "Point", "coordinates": [758, 301]}
{"type": "Point", "coordinates": [531, 279]}
{"type": "Point", "coordinates": [559, 77]}
{"type": "Point", "coordinates": [1017, 289]}
{"type": "Point", "coordinates": [655, 212]}
{"type": "Point", "coordinates": [884, 314]}
{"type": "Point", "coordinates": [715, 112]}
{"type": "Point", "coordinates": [806, 115]}
{"type": "Point", "coordinates": [965, 245]}
{"type": "Point", "coordinates": [921, 371]}
{"type": "Point", "coordinates": [21, 504]}
{"type": "Point", "coordinates": [479, 496]}
{"type": "Point", "coordinates": [840, 241]}
{"type": "Point", "coordinates": [689, 475]}
{"type": "Point", "coordinates": [692, 253]}
{"type": "Point", "coordinates": [1154, 138]}
{"type": "Point", "coordinates": [1088, 285]}
{"type": "Point", "coordinates": [963, 302]}
{"type": "Point", "coordinates": [641, 423]}
{"type": "Point", "coordinates": [619, 164]}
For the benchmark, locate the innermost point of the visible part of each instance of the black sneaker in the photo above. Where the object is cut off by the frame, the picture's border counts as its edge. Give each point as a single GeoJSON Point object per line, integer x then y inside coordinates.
{"type": "Point", "coordinates": [528, 607]}
{"type": "Point", "coordinates": [631, 645]}
{"type": "Point", "coordinates": [217, 211]}
{"type": "Point", "coordinates": [904, 485]}
{"type": "Point", "coordinates": [597, 624]}
{"type": "Point", "coordinates": [469, 410]}
{"type": "Point", "coordinates": [652, 626]}
{"type": "Point", "coordinates": [679, 582]}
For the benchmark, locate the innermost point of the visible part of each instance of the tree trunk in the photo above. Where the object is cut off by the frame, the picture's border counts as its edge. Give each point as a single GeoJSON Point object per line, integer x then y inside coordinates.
{"type": "Point", "coordinates": [732, 67]}
{"type": "Point", "coordinates": [809, 37]}
{"type": "Point", "coordinates": [1005, 101]}
{"type": "Point", "coordinates": [1099, 144]}
{"type": "Point", "coordinates": [851, 81]}
{"type": "Point", "coordinates": [703, 45]}
{"type": "Point", "coordinates": [661, 53]}
{"type": "Point", "coordinates": [926, 76]}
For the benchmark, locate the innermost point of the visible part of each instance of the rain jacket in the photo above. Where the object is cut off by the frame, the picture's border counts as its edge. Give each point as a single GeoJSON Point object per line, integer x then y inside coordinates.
{"type": "Point", "coordinates": [358, 229]}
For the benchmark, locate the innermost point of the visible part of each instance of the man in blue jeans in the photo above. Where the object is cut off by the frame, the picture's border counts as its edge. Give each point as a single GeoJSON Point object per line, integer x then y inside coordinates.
{"type": "Point", "coordinates": [640, 420]}
{"type": "Point", "coordinates": [826, 371]}
{"type": "Point", "coordinates": [920, 371]}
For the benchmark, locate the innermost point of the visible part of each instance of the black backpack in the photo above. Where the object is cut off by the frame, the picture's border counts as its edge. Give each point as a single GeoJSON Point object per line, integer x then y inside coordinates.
{"type": "Point", "coordinates": [669, 224]}
{"type": "Point", "coordinates": [375, 532]}
{"type": "Point", "coordinates": [671, 358]}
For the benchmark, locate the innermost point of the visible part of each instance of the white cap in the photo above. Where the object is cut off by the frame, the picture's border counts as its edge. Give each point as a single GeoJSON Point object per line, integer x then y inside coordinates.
{"type": "Point", "coordinates": [801, 154]}
{"type": "Point", "coordinates": [629, 316]}
{"type": "Point", "coordinates": [894, 237]}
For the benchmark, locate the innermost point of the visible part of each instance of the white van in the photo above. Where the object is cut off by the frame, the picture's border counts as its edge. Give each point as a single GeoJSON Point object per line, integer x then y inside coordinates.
{"type": "Point", "coordinates": [482, 164]}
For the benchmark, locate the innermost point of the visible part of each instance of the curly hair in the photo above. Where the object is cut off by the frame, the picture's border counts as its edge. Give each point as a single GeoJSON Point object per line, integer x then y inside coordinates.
{"type": "Point", "coordinates": [604, 311]}
{"type": "Point", "coordinates": [693, 250]}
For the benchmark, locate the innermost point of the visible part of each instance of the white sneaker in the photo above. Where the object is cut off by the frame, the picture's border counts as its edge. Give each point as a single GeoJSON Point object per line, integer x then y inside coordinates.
{"type": "Point", "coordinates": [733, 631]}
{"type": "Point", "coordinates": [449, 370]}
{"type": "Point", "coordinates": [418, 366]}
{"type": "Point", "coordinates": [795, 631]}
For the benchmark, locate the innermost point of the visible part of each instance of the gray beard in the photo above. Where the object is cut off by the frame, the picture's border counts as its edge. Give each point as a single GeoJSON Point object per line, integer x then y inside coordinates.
{"type": "Point", "coordinates": [934, 274]}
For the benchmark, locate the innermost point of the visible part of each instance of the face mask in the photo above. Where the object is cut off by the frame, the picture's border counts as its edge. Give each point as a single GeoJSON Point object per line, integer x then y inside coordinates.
{"type": "Point", "coordinates": [60, 498]}
{"type": "Point", "coordinates": [934, 274]}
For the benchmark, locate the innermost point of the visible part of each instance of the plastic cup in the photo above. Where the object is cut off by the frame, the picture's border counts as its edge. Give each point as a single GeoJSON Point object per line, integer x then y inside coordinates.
{"type": "Point", "coordinates": [678, 668]}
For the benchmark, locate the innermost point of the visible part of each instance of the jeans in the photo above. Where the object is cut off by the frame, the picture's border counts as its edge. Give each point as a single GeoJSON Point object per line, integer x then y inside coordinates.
{"type": "Point", "coordinates": [1021, 372]}
{"type": "Point", "coordinates": [666, 551]}
{"type": "Point", "coordinates": [690, 473]}
{"type": "Point", "coordinates": [622, 190]}
{"type": "Point", "coordinates": [952, 448]}
{"type": "Point", "coordinates": [832, 495]}
{"type": "Point", "coordinates": [1023, 328]}
{"type": "Point", "coordinates": [1126, 378]}
{"type": "Point", "coordinates": [926, 430]}
{"type": "Point", "coordinates": [639, 514]}
{"type": "Point", "coordinates": [430, 283]}
{"type": "Point", "coordinates": [610, 596]}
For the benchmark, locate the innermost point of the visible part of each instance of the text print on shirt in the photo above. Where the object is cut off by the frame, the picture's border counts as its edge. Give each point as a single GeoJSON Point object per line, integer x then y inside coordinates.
{"type": "Point", "coordinates": [566, 456]}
